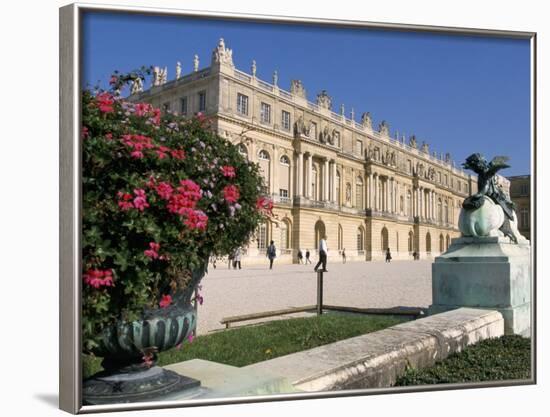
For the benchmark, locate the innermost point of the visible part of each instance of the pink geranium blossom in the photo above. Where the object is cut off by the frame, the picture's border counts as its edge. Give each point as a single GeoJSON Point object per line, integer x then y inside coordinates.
{"type": "Point", "coordinates": [177, 153]}
{"type": "Point", "coordinates": [140, 200]}
{"type": "Point", "coordinates": [165, 301]}
{"type": "Point", "coordinates": [105, 102]}
{"type": "Point", "coordinates": [98, 278]}
{"type": "Point", "coordinates": [195, 219]}
{"type": "Point", "coordinates": [264, 205]}
{"type": "Point", "coordinates": [164, 190]}
{"type": "Point", "coordinates": [125, 201]}
{"type": "Point", "coordinates": [152, 252]}
{"type": "Point", "coordinates": [228, 171]}
{"type": "Point", "coordinates": [231, 193]}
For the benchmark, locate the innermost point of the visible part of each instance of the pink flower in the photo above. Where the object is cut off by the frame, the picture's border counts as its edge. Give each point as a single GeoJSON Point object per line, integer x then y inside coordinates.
{"type": "Point", "coordinates": [231, 193]}
{"type": "Point", "coordinates": [264, 205]}
{"type": "Point", "coordinates": [148, 359]}
{"type": "Point", "coordinates": [228, 171]}
{"type": "Point", "coordinates": [165, 301]}
{"type": "Point", "coordinates": [142, 109]}
{"type": "Point", "coordinates": [140, 201]}
{"type": "Point", "coordinates": [156, 117]}
{"type": "Point", "coordinates": [190, 337]}
{"type": "Point", "coordinates": [195, 219]}
{"type": "Point", "coordinates": [177, 153]}
{"type": "Point", "coordinates": [109, 136]}
{"type": "Point", "coordinates": [153, 251]}
{"type": "Point", "coordinates": [187, 196]}
{"type": "Point", "coordinates": [85, 132]}
{"type": "Point", "coordinates": [136, 154]}
{"type": "Point", "coordinates": [164, 190]}
{"type": "Point", "coordinates": [98, 278]}
{"type": "Point", "coordinates": [125, 202]}
{"type": "Point", "coordinates": [105, 102]}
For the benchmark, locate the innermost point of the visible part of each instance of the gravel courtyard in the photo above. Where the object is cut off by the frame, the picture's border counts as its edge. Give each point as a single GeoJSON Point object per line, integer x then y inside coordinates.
{"type": "Point", "coordinates": [256, 289]}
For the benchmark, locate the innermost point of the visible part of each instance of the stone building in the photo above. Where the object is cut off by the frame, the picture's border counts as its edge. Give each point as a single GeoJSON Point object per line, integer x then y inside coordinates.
{"type": "Point", "coordinates": [327, 173]}
{"type": "Point", "coordinates": [520, 193]}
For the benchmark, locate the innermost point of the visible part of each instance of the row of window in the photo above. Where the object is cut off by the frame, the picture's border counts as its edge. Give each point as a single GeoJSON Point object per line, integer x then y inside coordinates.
{"type": "Point", "coordinates": [184, 104]}
{"type": "Point", "coordinates": [265, 112]}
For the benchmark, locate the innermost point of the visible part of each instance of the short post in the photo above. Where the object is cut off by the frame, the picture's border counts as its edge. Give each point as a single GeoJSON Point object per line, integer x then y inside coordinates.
{"type": "Point", "coordinates": [319, 292]}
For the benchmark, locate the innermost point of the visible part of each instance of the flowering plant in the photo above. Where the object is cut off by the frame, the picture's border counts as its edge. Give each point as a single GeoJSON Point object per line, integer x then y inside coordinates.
{"type": "Point", "coordinates": [160, 195]}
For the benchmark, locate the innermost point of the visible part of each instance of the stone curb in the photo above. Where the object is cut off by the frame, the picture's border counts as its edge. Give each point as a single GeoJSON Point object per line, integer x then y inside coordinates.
{"type": "Point", "coordinates": [376, 360]}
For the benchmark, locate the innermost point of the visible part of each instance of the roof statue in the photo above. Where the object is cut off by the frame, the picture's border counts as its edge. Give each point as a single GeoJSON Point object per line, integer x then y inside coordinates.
{"type": "Point", "coordinates": [366, 120]}
{"type": "Point", "coordinates": [178, 70]}
{"type": "Point", "coordinates": [384, 128]}
{"type": "Point", "coordinates": [221, 54]}
{"type": "Point", "coordinates": [196, 63]}
{"type": "Point", "coordinates": [297, 88]}
{"type": "Point", "coordinates": [324, 100]}
{"type": "Point", "coordinates": [253, 68]}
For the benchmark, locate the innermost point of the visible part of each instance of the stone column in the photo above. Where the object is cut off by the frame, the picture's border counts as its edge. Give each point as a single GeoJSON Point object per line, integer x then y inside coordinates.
{"type": "Point", "coordinates": [309, 174]}
{"type": "Point", "coordinates": [325, 181]}
{"type": "Point", "coordinates": [369, 191]}
{"type": "Point", "coordinates": [375, 192]}
{"type": "Point", "coordinates": [300, 175]}
{"type": "Point", "coordinates": [333, 188]}
{"type": "Point", "coordinates": [387, 191]}
{"type": "Point", "coordinates": [421, 201]}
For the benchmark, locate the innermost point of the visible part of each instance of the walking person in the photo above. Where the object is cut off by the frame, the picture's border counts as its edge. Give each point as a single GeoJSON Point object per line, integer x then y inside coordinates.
{"type": "Point", "coordinates": [229, 260]}
{"type": "Point", "coordinates": [271, 254]}
{"type": "Point", "coordinates": [237, 258]}
{"type": "Point", "coordinates": [344, 255]}
{"type": "Point", "coordinates": [307, 257]}
{"type": "Point", "coordinates": [388, 255]}
{"type": "Point", "coordinates": [300, 257]}
{"type": "Point", "coordinates": [323, 250]}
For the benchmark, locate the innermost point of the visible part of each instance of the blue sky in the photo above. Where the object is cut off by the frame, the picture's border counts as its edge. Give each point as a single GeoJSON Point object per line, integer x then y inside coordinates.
{"type": "Point", "coordinates": [460, 94]}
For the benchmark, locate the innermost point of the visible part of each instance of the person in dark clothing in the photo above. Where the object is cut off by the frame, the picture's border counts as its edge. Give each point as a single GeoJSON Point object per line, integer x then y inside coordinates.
{"type": "Point", "coordinates": [307, 257]}
{"type": "Point", "coordinates": [300, 257]}
{"type": "Point", "coordinates": [323, 250]}
{"type": "Point", "coordinates": [344, 255]}
{"type": "Point", "coordinates": [388, 255]}
{"type": "Point", "coordinates": [271, 254]}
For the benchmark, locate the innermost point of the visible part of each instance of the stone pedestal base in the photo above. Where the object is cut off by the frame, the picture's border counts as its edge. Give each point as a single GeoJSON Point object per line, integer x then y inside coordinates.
{"type": "Point", "coordinates": [485, 272]}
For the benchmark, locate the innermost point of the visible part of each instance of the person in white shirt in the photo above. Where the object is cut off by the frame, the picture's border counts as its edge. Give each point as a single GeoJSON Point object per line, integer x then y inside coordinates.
{"type": "Point", "coordinates": [322, 255]}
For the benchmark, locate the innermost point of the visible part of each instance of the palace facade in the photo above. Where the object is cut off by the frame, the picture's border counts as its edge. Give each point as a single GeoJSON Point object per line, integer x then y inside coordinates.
{"type": "Point", "coordinates": [520, 193]}
{"type": "Point", "coordinates": [327, 173]}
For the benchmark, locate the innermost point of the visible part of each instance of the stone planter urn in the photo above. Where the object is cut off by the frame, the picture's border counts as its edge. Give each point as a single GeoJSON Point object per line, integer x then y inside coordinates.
{"type": "Point", "coordinates": [127, 377]}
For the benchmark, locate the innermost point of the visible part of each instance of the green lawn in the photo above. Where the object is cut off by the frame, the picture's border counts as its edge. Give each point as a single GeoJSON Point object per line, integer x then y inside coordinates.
{"type": "Point", "coordinates": [246, 345]}
{"type": "Point", "coordinates": [504, 358]}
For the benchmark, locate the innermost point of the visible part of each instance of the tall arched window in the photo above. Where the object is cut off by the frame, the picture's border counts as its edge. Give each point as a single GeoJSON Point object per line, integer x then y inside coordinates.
{"type": "Point", "coordinates": [285, 242]}
{"type": "Point", "coordinates": [428, 242]}
{"type": "Point", "coordinates": [284, 176]}
{"type": "Point", "coordinates": [340, 237]}
{"type": "Point", "coordinates": [439, 211]}
{"type": "Point", "coordinates": [359, 193]}
{"type": "Point", "coordinates": [261, 236]}
{"type": "Point", "coordinates": [360, 239]}
{"type": "Point", "coordinates": [446, 218]}
{"type": "Point", "coordinates": [319, 233]}
{"type": "Point", "coordinates": [401, 205]}
{"type": "Point", "coordinates": [448, 242]}
{"type": "Point", "coordinates": [384, 239]}
{"type": "Point", "coordinates": [263, 159]}
{"type": "Point", "coordinates": [411, 242]}
{"type": "Point", "coordinates": [441, 243]}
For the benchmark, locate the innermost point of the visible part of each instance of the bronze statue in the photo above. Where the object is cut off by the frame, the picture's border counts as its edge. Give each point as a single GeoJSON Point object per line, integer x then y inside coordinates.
{"type": "Point", "coordinates": [487, 186]}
